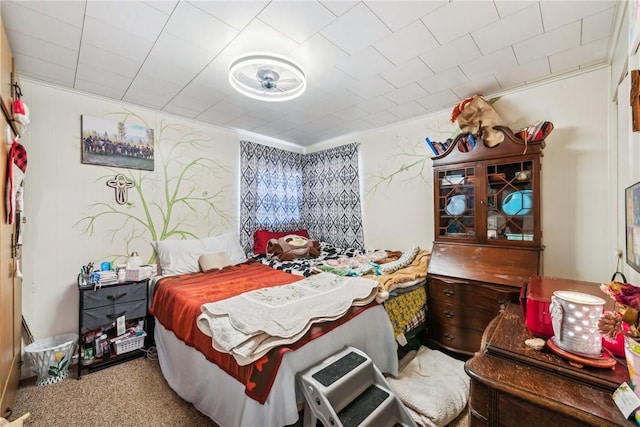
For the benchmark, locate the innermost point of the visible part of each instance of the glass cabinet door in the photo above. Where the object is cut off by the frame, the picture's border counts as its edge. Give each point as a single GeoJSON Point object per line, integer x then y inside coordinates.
{"type": "Point", "coordinates": [510, 201]}
{"type": "Point", "coordinates": [456, 216]}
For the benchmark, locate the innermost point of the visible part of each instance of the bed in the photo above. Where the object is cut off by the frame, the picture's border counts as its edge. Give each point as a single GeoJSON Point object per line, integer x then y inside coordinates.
{"type": "Point", "coordinates": [262, 392]}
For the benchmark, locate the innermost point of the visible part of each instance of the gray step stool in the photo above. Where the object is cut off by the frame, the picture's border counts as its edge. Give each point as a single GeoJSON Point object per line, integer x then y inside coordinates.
{"type": "Point", "coordinates": [347, 390]}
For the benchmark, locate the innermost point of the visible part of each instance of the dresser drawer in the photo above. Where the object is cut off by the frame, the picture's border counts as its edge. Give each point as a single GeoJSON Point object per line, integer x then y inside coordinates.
{"type": "Point", "coordinates": [95, 317]}
{"type": "Point", "coordinates": [462, 339]}
{"type": "Point", "coordinates": [476, 318]}
{"type": "Point", "coordinates": [464, 293]}
{"type": "Point", "coordinates": [114, 294]}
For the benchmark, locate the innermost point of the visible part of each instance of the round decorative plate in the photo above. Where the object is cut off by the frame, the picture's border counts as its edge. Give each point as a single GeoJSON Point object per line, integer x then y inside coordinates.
{"type": "Point", "coordinates": [457, 205]}
{"type": "Point", "coordinates": [579, 361]}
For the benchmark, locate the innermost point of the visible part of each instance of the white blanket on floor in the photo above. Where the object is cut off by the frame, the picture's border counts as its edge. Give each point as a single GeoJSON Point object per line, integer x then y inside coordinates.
{"type": "Point", "coordinates": [433, 386]}
{"type": "Point", "coordinates": [249, 325]}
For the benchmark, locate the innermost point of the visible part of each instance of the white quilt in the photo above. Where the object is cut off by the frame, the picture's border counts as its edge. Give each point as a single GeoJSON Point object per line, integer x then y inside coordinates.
{"type": "Point", "coordinates": [249, 325]}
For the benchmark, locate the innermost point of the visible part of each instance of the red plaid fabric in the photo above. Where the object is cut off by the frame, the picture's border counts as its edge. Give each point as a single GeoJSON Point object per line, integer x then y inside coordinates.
{"type": "Point", "coordinates": [18, 156]}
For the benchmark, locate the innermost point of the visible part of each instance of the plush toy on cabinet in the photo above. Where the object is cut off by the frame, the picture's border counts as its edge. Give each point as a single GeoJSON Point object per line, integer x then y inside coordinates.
{"type": "Point", "coordinates": [292, 246]}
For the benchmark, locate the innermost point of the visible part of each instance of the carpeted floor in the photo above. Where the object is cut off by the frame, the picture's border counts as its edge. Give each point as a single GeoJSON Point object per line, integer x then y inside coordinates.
{"type": "Point", "coordinates": [133, 394]}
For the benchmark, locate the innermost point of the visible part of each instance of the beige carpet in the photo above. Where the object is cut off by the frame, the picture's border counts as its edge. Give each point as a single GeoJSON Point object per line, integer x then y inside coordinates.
{"type": "Point", "coordinates": [127, 395]}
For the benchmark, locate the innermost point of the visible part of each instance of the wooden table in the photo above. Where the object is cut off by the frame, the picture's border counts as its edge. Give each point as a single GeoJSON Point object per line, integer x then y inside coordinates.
{"type": "Point", "coordinates": [513, 385]}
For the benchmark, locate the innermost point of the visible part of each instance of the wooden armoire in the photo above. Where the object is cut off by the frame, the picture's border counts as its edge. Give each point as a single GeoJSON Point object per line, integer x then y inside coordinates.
{"type": "Point", "coordinates": [10, 285]}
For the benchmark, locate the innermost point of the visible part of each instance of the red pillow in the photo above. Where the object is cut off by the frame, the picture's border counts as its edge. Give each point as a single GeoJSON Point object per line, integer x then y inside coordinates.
{"type": "Point", "coordinates": [262, 237]}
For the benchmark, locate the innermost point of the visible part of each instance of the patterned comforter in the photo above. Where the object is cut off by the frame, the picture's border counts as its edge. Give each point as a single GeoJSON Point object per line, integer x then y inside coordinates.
{"type": "Point", "coordinates": [308, 266]}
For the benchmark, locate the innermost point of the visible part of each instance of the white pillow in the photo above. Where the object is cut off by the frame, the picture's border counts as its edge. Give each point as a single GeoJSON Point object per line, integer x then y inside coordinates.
{"type": "Point", "coordinates": [214, 261]}
{"type": "Point", "coordinates": [181, 256]}
{"type": "Point", "coordinates": [226, 242]}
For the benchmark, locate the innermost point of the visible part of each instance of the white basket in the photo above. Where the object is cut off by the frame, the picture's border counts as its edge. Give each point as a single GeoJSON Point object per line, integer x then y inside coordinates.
{"type": "Point", "coordinates": [130, 344]}
{"type": "Point", "coordinates": [51, 357]}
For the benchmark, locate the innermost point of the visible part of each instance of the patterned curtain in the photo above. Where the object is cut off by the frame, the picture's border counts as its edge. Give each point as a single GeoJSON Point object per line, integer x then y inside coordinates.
{"type": "Point", "coordinates": [271, 183]}
{"type": "Point", "coordinates": [331, 210]}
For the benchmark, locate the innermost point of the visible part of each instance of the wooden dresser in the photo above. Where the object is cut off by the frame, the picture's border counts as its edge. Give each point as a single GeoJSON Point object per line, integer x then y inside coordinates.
{"type": "Point", "coordinates": [513, 385]}
{"type": "Point", "coordinates": [488, 238]}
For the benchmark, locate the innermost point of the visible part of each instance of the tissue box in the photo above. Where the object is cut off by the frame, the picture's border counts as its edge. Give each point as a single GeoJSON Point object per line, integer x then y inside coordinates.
{"type": "Point", "coordinates": [136, 274]}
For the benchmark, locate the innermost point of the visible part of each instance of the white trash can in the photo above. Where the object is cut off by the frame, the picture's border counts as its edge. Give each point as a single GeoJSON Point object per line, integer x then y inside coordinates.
{"type": "Point", "coordinates": [51, 357]}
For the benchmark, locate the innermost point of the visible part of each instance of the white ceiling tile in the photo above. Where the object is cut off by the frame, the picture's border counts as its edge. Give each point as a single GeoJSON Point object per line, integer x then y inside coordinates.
{"type": "Point", "coordinates": [189, 111]}
{"type": "Point", "coordinates": [441, 81]}
{"type": "Point", "coordinates": [410, 92]}
{"type": "Point", "coordinates": [199, 94]}
{"type": "Point", "coordinates": [164, 6]}
{"type": "Point", "coordinates": [497, 61]}
{"type": "Point", "coordinates": [410, 109]}
{"type": "Point", "coordinates": [222, 112]}
{"type": "Point", "coordinates": [507, 7]}
{"type": "Point", "coordinates": [375, 64]}
{"type": "Point", "coordinates": [484, 86]}
{"type": "Point", "coordinates": [99, 89]}
{"type": "Point", "coordinates": [71, 12]}
{"type": "Point", "coordinates": [377, 104]}
{"type": "Point", "coordinates": [407, 72]}
{"type": "Point", "coordinates": [451, 54]}
{"type": "Point", "coordinates": [50, 52]}
{"type": "Point", "coordinates": [257, 37]}
{"type": "Point", "coordinates": [236, 14]}
{"type": "Point", "coordinates": [39, 26]}
{"type": "Point", "coordinates": [103, 36]}
{"type": "Point", "coordinates": [347, 31]}
{"type": "Point", "coordinates": [351, 113]}
{"type": "Point", "coordinates": [173, 59]}
{"type": "Point", "coordinates": [548, 43]}
{"type": "Point", "coordinates": [90, 73]}
{"type": "Point", "coordinates": [409, 42]}
{"type": "Point", "coordinates": [396, 18]}
{"type": "Point", "coordinates": [555, 14]}
{"type": "Point", "coordinates": [41, 70]}
{"type": "Point", "coordinates": [529, 72]}
{"type": "Point", "coordinates": [468, 16]}
{"type": "Point", "coordinates": [357, 125]}
{"type": "Point", "coordinates": [598, 26]}
{"type": "Point", "coordinates": [585, 54]}
{"type": "Point", "coordinates": [154, 85]}
{"type": "Point", "coordinates": [134, 17]}
{"type": "Point", "coordinates": [109, 61]}
{"type": "Point", "coordinates": [246, 121]}
{"type": "Point", "coordinates": [382, 118]}
{"type": "Point", "coordinates": [439, 100]}
{"type": "Point", "coordinates": [515, 28]}
{"type": "Point", "coordinates": [296, 20]}
{"type": "Point", "coordinates": [371, 88]}
{"type": "Point", "coordinates": [328, 80]}
{"type": "Point", "coordinates": [317, 54]}
{"type": "Point", "coordinates": [338, 8]}
{"type": "Point", "coordinates": [341, 98]}
{"type": "Point", "coordinates": [200, 29]}
{"type": "Point", "coordinates": [145, 98]}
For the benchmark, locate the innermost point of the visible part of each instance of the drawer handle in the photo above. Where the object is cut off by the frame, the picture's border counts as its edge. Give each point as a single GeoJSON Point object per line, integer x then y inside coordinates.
{"type": "Point", "coordinates": [116, 297]}
{"type": "Point", "coordinates": [449, 314]}
{"type": "Point", "coordinates": [449, 337]}
{"type": "Point", "coordinates": [448, 292]}
{"type": "Point", "coordinates": [115, 316]}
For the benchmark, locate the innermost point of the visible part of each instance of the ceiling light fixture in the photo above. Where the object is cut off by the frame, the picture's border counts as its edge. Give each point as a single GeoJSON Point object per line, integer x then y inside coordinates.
{"type": "Point", "coordinates": [267, 77]}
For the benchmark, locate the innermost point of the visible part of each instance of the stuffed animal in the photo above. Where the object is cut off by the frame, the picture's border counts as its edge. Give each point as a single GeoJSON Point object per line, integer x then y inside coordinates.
{"type": "Point", "coordinates": [477, 116]}
{"type": "Point", "coordinates": [292, 246]}
{"type": "Point", "coordinates": [16, 423]}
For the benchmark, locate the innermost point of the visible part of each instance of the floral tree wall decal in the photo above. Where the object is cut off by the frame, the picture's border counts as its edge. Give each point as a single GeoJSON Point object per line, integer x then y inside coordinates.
{"type": "Point", "coordinates": [183, 197]}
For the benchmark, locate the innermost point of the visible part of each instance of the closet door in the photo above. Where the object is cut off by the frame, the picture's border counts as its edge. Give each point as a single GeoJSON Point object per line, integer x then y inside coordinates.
{"type": "Point", "coordinates": [10, 286]}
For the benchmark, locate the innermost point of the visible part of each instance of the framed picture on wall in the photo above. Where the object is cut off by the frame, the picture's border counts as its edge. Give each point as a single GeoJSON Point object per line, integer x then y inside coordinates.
{"type": "Point", "coordinates": [108, 142]}
{"type": "Point", "coordinates": [632, 225]}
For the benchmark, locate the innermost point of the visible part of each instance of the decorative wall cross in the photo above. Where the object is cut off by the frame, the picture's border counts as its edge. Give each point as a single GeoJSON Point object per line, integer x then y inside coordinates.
{"type": "Point", "coordinates": [121, 184]}
{"type": "Point", "coordinates": [635, 100]}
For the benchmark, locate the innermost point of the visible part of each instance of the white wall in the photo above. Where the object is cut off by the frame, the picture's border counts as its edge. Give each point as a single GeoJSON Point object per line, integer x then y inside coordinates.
{"type": "Point", "coordinates": [60, 190]}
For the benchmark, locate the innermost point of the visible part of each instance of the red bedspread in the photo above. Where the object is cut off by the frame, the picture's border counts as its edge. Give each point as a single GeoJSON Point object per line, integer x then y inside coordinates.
{"type": "Point", "coordinates": [177, 302]}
